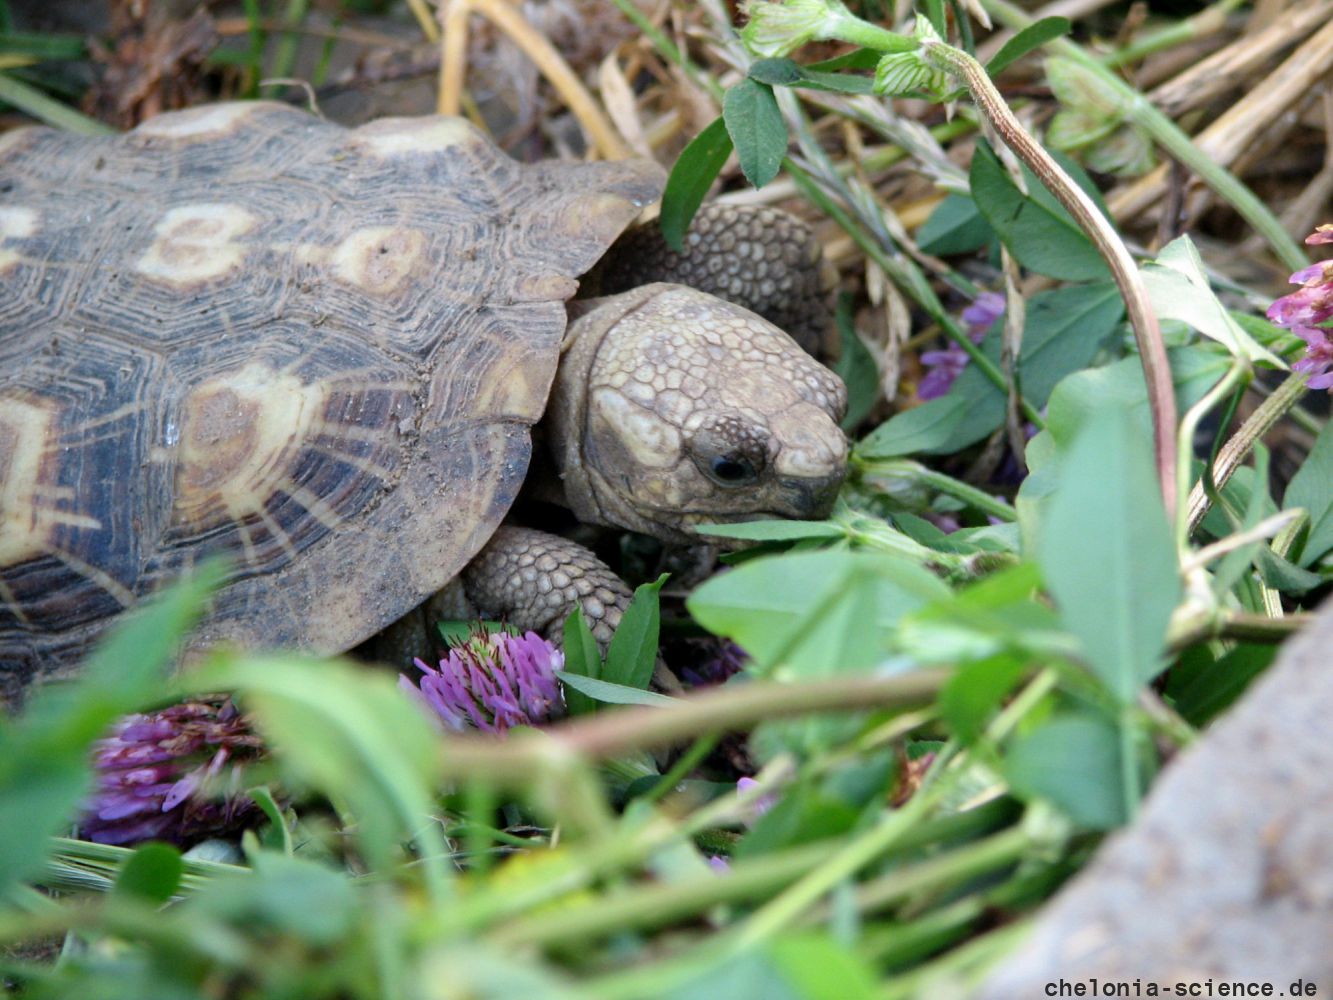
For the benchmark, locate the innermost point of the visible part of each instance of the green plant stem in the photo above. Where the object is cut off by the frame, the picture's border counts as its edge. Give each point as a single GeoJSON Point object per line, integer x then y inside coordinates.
{"type": "Point", "coordinates": [688, 761]}
{"type": "Point", "coordinates": [1206, 22]}
{"type": "Point", "coordinates": [958, 964]}
{"type": "Point", "coordinates": [1131, 784]}
{"type": "Point", "coordinates": [850, 28]}
{"type": "Point", "coordinates": [137, 921]}
{"type": "Point", "coordinates": [1152, 351]}
{"type": "Point", "coordinates": [1189, 424]}
{"type": "Point", "coordinates": [947, 870]}
{"type": "Point", "coordinates": [906, 469]}
{"type": "Point", "coordinates": [1018, 707]}
{"type": "Point", "coordinates": [285, 56]}
{"type": "Point", "coordinates": [556, 759]}
{"type": "Point", "coordinates": [1299, 416]}
{"type": "Point", "coordinates": [258, 37]}
{"type": "Point", "coordinates": [660, 904]}
{"type": "Point", "coordinates": [387, 943]}
{"type": "Point", "coordinates": [479, 803]}
{"type": "Point", "coordinates": [1286, 538]}
{"type": "Point", "coordinates": [785, 909]}
{"type": "Point", "coordinates": [1240, 626]}
{"type": "Point", "coordinates": [1169, 135]}
{"type": "Point", "coordinates": [655, 905]}
{"type": "Point", "coordinates": [1269, 527]}
{"type": "Point", "coordinates": [1165, 720]}
{"type": "Point", "coordinates": [900, 944]}
{"type": "Point", "coordinates": [615, 733]}
{"type": "Point", "coordinates": [1238, 446]}
{"type": "Point", "coordinates": [1244, 627]}
{"type": "Point", "coordinates": [580, 867]}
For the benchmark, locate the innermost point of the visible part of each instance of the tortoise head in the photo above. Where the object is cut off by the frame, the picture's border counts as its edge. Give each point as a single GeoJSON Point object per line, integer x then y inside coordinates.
{"type": "Point", "coordinates": [673, 408]}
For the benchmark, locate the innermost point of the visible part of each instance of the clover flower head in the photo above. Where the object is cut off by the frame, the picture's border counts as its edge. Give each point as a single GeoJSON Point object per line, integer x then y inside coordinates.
{"type": "Point", "coordinates": [1310, 304]}
{"type": "Point", "coordinates": [760, 805]}
{"type": "Point", "coordinates": [1321, 234]}
{"type": "Point", "coordinates": [155, 775]}
{"type": "Point", "coordinates": [981, 315]}
{"type": "Point", "coordinates": [1318, 360]}
{"type": "Point", "coordinates": [946, 365]}
{"type": "Point", "coordinates": [943, 367]}
{"type": "Point", "coordinates": [780, 27]}
{"type": "Point", "coordinates": [1307, 311]}
{"type": "Point", "coordinates": [492, 681]}
{"type": "Point", "coordinates": [947, 523]}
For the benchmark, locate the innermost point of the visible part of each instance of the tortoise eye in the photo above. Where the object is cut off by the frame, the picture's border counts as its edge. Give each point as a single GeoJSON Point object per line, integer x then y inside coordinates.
{"type": "Point", "coordinates": [731, 470]}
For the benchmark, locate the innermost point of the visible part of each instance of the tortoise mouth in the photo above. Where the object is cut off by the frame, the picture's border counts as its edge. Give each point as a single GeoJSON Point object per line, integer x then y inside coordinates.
{"type": "Point", "coordinates": [809, 499]}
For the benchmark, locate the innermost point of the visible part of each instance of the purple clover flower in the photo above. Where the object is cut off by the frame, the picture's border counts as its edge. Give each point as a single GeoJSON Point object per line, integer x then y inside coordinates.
{"type": "Point", "coordinates": [727, 660]}
{"type": "Point", "coordinates": [946, 365]}
{"type": "Point", "coordinates": [1318, 360]}
{"type": "Point", "coordinates": [981, 315]}
{"type": "Point", "coordinates": [153, 770]}
{"type": "Point", "coordinates": [947, 523]}
{"type": "Point", "coordinates": [760, 805]}
{"type": "Point", "coordinates": [493, 682]}
{"type": "Point", "coordinates": [1306, 311]}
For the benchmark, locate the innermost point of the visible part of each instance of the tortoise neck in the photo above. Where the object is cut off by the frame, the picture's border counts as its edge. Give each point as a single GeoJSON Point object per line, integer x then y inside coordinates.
{"type": "Point", "coordinates": [568, 480]}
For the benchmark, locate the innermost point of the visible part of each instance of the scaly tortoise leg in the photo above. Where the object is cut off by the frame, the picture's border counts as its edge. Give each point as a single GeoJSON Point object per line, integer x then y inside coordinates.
{"type": "Point", "coordinates": [530, 579]}
{"type": "Point", "coordinates": [533, 580]}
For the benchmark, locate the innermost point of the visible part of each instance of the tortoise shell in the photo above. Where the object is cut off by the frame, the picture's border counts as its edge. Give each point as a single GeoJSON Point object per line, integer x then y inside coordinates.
{"type": "Point", "coordinates": [243, 330]}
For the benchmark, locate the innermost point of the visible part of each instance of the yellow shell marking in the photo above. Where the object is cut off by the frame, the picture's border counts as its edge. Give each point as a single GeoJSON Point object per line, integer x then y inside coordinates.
{"type": "Point", "coordinates": [378, 259]}
{"type": "Point", "coordinates": [403, 136]}
{"type": "Point", "coordinates": [28, 508]}
{"type": "Point", "coordinates": [198, 123]}
{"type": "Point", "coordinates": [16, 223]}
{"type": "Point", "coordinates": [195, 243]}
{"type": "Point", "coordinates": [239, 434]}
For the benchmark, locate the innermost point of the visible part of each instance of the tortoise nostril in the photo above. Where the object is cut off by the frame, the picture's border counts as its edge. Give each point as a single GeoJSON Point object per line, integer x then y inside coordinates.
{"type": "Point", "coordinates": [813, 498]}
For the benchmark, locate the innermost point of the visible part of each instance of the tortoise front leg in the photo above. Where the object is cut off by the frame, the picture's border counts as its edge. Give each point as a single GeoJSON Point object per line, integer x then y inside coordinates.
{"type": "Point", "coordinates": [533, 580]}
{"type": "Point", "coordinates": [530, 579]}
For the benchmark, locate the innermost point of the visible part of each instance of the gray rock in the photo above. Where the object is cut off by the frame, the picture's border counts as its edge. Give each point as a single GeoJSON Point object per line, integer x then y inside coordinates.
{"type": "Point", "coordinates": [1228, 872]}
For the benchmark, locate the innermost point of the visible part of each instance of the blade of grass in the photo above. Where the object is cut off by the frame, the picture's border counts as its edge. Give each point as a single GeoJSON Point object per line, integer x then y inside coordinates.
{"type": "Point", "coordinates": [285, 56]}
{"type": "Point", "coordinates": [35, 104]}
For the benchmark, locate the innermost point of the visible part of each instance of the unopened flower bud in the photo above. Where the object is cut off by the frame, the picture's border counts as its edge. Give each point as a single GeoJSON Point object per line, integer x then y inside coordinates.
{"type": "Point", "coordinates": [780, 28]}
{"type": "Point", "coordinates": [900, 73]}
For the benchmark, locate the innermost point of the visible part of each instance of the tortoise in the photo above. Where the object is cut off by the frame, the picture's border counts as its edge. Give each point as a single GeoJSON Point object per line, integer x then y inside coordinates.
{"type": "Point", "coordinates": [321, 351]}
